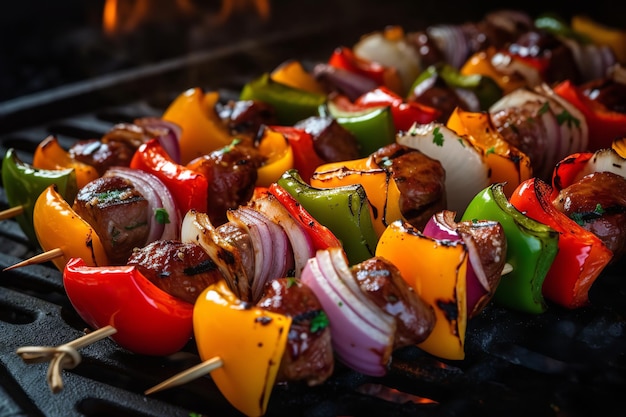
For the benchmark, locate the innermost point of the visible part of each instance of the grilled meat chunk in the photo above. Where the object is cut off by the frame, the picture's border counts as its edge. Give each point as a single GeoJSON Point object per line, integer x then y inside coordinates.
{"type": "Point", "coordinates": [245, 117]}
{"type": "Point", "coordinates": [381, 281]}
{"type": "Point", "coordinates": [232, 175]}
{"type": "Point", "coordinates": [117, 212]}
{"type": "Point", "coordinates": [420, 179]}
{"type": "Point", "coordinates": [183, 270]}
{"type": "Point", "coordinates": [598, 203]}
{"type": "Point", "coordinates": [331, 141]}
{"type": "Point", "coordinates": [309, 355]}
{"type": "Point", "coordinates": [102, 155]}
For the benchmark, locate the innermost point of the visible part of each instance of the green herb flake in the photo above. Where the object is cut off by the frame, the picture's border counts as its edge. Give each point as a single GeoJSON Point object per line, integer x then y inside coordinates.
{"type": "Point", "coordinates": [599, 209]}
{"type": "Point", "coordinates": [291, 281]}
{"type": "Point", "coordinates": [437, 137]}
{"type": "Point", "coordinates": [491, 150]}
{"type": "Point", "coordinates": [566, 117]}
{"type": "Point", "coordinates": [319, 322]}
{"type": "Point", "coordinates": [544, 108]}
{"type": "Point", "coordinates": [161, 216]}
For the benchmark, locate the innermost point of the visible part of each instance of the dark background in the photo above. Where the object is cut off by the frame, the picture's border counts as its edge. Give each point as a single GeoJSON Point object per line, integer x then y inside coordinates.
{"type": "Point", "coordinates": [44, 44]}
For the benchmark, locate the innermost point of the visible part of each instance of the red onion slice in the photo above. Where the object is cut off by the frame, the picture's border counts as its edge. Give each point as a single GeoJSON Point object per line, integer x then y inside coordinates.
{"type": "Point", "coordinates": [158, 197]}
{"type": "Point", "coordinates": [272, 252]}
{"type": "Point", "coordinates": [441, 226]}
{"type": "Point", "coordinates": [301, 243]}
{"type": "Point", "coordinates": [167, 134]}
{"type": "Point", "coordinates": [357, 342]}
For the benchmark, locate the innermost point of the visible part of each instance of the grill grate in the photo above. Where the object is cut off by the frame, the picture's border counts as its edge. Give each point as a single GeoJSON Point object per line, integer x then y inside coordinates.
{"type": "Point", "coordinates": [561, 363]}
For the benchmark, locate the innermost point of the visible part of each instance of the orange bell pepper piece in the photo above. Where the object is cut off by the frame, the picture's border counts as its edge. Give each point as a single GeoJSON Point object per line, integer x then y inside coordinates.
{"type": "Point", "coordinates": [202, 130]}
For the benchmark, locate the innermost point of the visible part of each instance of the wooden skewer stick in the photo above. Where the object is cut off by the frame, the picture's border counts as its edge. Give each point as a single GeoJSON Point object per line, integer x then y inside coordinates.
{"type": "Point", "coordinates": [11, 212]}
{"type": "Point", "coordinates": [37, 259]}
{"type": "Point", "coordinates": [65, 356]}
{"type": "Point", "coordinates": [190, 374]}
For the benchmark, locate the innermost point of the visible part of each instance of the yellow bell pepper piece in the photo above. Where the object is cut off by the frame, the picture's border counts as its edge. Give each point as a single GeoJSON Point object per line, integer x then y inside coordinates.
{"type": "Point", "coordinates": [381, 189]}
{"type": "Point", "coordinates": [250, 342]}
{"type": "Point", "coordinates": [202, 130]}
{"type": "Point", "coordinates": [436, 270]}
{"type": "Point", "coordinates": [275, 147]}
{"type": "Point", "coordinates": [293, 74]}
{"type": "Point", "coordinates": [507, 164]}
{"type": "Point", "coordinates": [58, 226]}
{"type": "Point", "coordinates": [601, 34]}
{"type": "Point", "coordinates": [50, 155]}
{"type": "Point", "coordinates": [480, 63]}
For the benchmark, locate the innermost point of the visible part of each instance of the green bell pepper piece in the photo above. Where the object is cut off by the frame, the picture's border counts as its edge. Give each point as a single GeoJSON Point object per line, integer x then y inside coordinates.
{"type": "Point", "coordinates": [373, 127]}
{"type": "Point", "coordinates": [344, 210]}
{"type": "Point", "coordinates": [291, 104]}
{"type": "Point", "coordinates": [486, 89]}
{"type": "Point", "coordinates": [23, 184]}
{"type": "Point", "coordinates": [531, 249]}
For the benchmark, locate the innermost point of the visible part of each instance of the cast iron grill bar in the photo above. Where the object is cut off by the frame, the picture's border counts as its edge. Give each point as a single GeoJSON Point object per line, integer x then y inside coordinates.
{"type": "Point", "coordinates": [561, 363]}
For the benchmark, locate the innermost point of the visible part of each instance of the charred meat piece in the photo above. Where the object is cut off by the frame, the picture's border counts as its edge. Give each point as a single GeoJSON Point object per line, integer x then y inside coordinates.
{"type": "Point", "coordinates": [420, 179]}
{"type": "Point", "coordinates": [245, 117]}
{"type": "Point", "coordinates": [381, 281]}
{"type": "Point", "coordinates": [102, 155]}
{"type": "Point", "coordinates": [487, 240]}
{"type": "Point", "coordinates": [309, 354]}
{"type": "Point", "coordinates": [519, 127]}
{"type": "Point", "coordinates": [598, 203]}
{"type": "Point", "coordinates": [118, 214]}
{"type": "Point", "coordinates": [331, 141]}
{"type": "Point", "coordinates": [608, 92]}
{"type": "Point", "coordinates": [232, 175]}
{"type": "Point", "coordinates": [182, 270]}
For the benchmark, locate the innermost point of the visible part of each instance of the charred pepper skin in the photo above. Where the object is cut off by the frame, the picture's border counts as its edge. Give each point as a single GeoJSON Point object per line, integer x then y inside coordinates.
{"type": "Point", "coordinates": [437, 271]}
{"type": "Point", "coordinates": [23, 184]}
{"type": "Point", "coordinates": [222, 322]}
{"type": "Point", "coordinates": [531, 249]}
{"type": "Point", "coordinates": [344, 210]}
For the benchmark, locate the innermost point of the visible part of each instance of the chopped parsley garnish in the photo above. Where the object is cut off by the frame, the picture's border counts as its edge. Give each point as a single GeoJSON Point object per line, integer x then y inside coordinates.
{"type": "Point", "coordinates": [491, 150]}
{"type": "Point", "coordinates": [319, 322]}
{"type": "Point", "coordinates": [437, 137]}
{"type": "Point", "coordinates": [544, 108]}
{"type": "Point", "coordinates": [161, 216]}
{"type": "Point", "coordinates": [291, 281]}
{"type": "Point", "coordinates": [566, 117]}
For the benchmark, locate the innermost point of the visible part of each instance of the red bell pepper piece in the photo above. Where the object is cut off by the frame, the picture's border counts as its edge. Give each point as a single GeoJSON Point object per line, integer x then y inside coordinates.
{"type": "Point", "coordinates": [581, 255]}
{"type": "Point", "coordinates": [305, 158]}
{"type": "Point", "coordinates": [148, 321]}
{"type": "Point", "coordinates": [345, 58]}
{"type": "Point", "coordinates": [404, 113]}
{"type": "Point", "coordinates": [321, 236]}
{"type": "Point", "coordinates": [567, 171]}
{"type": "Point", "coordinates": [604, 125]}
{"type": "Point", "coordinates": [189, 188]}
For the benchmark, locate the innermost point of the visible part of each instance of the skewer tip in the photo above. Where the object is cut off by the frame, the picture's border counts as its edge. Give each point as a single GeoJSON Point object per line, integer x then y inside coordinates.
{"type": "Point", "coordinates": [11, 212]}
{"type": "Point", "coordinates": [37, 259]}
{"type": "Point", "coordinates": [190, 374]}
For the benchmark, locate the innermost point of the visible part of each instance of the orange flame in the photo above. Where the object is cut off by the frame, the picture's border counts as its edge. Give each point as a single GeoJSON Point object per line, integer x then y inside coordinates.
{"type": "Point", "coordinates": [124, 16]}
